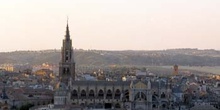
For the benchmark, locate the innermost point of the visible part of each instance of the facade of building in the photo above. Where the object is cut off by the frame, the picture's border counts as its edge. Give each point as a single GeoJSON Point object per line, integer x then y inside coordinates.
{"type": "Point", "coordinates": [132, 95]}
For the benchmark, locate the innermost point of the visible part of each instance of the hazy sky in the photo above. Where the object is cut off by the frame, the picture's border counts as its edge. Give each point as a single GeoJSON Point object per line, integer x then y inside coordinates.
{"type": "Point", "coordinates": [110, 24]}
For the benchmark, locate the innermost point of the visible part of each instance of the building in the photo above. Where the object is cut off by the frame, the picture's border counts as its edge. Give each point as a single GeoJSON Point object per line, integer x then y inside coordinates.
{"type": "Point", "coordinates": [175, 70]}
{"type": "Point", "coordinates": [140, 94]}
{"type": "Point", "coordinates": [7, 67]}
{"type": "Point", "coordinates": [67, 64]}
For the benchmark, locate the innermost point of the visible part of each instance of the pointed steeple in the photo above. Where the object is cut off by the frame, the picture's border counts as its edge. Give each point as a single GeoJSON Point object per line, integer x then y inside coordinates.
{"type": "Point", "coordinates": [67, 64]}
{"type": "Point", "coordinates": [67, 36]}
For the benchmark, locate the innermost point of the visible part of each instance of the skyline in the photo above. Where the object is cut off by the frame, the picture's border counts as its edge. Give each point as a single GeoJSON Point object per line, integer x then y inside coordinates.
{"type": "Point", "coordinates": [110, 25]}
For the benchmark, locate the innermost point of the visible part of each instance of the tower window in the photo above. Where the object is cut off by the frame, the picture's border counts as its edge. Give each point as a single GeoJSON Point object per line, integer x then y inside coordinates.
{"type": "Point", "coordinates": [64, 70]}
{"type": "Point", "coordinates": [66, 55]}
{"type": "Point", "coordinates": [67, 70]}
{"type": "Point", "coordinates": [67, 52]}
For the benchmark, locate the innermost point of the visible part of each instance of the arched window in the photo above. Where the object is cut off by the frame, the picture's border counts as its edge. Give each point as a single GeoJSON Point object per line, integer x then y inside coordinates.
{"type": "Point", "coordinates": [67, 70]}
{"type": "Point", "coordinates": [117, 94]}
{"type": "Point", "coordinates": [74, 94]}
{"type": "Point", "coordinates": [67, 54]}
{"type": "Point", "coordinates": [140, 96]}
{"type": "Point", "coordinates": [101, 94]}
{"type": "Point", "coordinates": [109, 94]}
{"type": "Point", "coordinates": [163, 95]}
{"type": "Point", "coordinates": [83, 93]}
{"type": "Point", "coordinates": [91, 93]}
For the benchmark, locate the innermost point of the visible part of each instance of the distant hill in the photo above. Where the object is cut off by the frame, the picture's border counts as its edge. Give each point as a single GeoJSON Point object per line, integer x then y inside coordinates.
{"type": "Point", "coordinates": [191, 57]}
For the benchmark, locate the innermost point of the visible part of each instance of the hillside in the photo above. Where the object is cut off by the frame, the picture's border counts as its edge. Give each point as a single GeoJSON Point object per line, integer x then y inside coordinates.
{"type": "Point", "coordinates": [191, 57]}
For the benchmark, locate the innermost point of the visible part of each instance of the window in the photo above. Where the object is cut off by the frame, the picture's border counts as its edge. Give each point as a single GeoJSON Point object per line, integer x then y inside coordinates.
{"type": "Point", "coordinates": [91, 93]}
{"type": "Point", "coordinates": [74, 94]}
{"type": "Point", "coordinates": [117, 94]}
{"type": "Point", "coordinates": [83, 93]}
{"type": "Point", "coordinates": [101, 94]}
{"type": "Point", "coordinates": [67, 70]}
{"type": "Point", "coordinates": [163, 95]}
{"type": "Point", "coordinates": [109, 94]}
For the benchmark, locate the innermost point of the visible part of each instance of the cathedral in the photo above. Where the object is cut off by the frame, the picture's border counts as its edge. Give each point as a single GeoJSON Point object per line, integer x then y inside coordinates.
{"type": "Point", "coordinates": [140, 94]}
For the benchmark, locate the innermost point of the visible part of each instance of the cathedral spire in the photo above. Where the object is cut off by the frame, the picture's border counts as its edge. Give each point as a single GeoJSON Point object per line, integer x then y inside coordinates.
{"type": "Point", "coordinates": [67, 64]}
{"type": "Point", "coordinates": [67, 36]}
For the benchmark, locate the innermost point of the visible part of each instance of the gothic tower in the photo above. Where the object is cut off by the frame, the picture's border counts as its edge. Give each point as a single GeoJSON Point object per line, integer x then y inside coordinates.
{"type": "Point", "coordinates": [67, 64]}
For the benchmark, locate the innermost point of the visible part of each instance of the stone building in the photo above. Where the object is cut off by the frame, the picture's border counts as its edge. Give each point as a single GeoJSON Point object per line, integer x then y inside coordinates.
{"type": "Point", "coordinates": [67, 64]}
{"type": "Point", "coordinates": [140, 94]}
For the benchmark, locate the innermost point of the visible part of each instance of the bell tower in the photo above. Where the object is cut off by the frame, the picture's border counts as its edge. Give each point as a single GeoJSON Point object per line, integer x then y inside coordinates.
{"type": "Point", "coordinates": [67, 64]}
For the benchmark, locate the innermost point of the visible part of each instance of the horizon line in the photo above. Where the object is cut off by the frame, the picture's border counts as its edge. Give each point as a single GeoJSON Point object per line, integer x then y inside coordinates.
{"type": "Point", "coordinates": [110, 49]}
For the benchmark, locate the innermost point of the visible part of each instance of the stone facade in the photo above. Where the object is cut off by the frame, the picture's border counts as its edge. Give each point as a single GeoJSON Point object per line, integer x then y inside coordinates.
{"type": "Point", "coordinates": [133, 95]}
{"type": "Point", "coordinates": [141, 94]}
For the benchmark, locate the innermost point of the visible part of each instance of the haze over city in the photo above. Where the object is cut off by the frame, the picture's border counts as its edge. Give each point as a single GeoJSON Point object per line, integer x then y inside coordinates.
{"type": "Point", "coordinates": [76, 55]}
{"type": "Point", "coordinates": [110, 24]}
